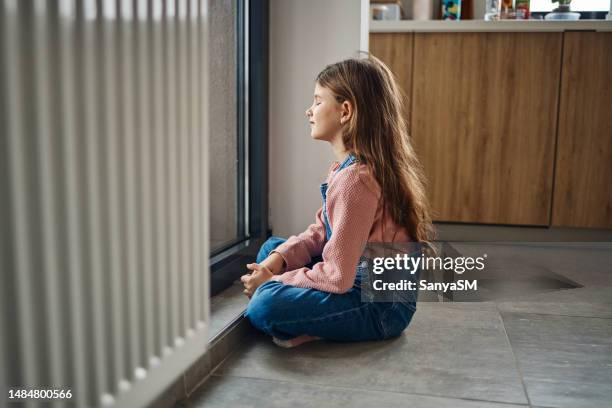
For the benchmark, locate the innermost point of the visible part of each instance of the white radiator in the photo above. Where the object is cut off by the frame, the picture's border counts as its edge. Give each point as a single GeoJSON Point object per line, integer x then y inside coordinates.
{"type": "Point", "coordinates": [104, 188]}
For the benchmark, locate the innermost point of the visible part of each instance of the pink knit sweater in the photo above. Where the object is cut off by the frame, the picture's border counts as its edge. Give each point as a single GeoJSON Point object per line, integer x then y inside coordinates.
{"type": "Point", "coordinates": [355, 216]}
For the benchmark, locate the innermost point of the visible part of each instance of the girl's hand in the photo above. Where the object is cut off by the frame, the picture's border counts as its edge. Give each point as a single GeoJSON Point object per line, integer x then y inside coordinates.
{"type": "Point", "coordinates": [251, 282]}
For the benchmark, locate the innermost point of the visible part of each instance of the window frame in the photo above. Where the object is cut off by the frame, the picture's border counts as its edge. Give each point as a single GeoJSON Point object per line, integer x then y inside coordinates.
{"type": "Point", "coordinates": [227, 262]}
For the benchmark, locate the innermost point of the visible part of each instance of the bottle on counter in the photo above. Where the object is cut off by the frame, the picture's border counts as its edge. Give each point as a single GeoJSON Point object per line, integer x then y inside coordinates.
{"type": "Point", "coordinates": [457, 10]}
{"type": "Point", "coordinates": [467, 9]}
{"type": "Point", "coordinates": [422, 9]}
{"type": "Point", "coordinates": [492, 10]}
{"type": "Point", "coordinates": [522, 9]}
{"type": "Point", "coordinates": [451, 9]}
{"type": "Point", "coordinates": [507, 10]}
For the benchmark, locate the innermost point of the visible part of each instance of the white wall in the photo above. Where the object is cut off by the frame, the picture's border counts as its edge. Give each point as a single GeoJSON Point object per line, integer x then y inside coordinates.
{"type": "Point", "coordinates": [304, 37]}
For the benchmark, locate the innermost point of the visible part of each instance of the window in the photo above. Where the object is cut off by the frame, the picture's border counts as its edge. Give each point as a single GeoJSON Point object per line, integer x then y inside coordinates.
{"type": "Point", "coordinates": [238, 100]}
{"type": "Point", "coordinates": [227, 209]}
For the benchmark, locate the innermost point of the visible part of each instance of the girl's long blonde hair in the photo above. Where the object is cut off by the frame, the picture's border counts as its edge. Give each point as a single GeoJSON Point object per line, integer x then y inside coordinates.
{"type": "Point", "coordinates": [377, 134]}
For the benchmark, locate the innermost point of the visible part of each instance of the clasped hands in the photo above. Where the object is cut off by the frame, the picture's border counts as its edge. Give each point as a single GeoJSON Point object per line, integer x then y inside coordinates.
{"type": "Point", "coordinates": [262, 272]}
{"type": "Point", "coordinates": [251, 281]}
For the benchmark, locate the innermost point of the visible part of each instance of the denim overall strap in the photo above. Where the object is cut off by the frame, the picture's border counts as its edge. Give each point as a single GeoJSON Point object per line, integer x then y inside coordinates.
{"type": "Point", "coordinates": [347, 162]}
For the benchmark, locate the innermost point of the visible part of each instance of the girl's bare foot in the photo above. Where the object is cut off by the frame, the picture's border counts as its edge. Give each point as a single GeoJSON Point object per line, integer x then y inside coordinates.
{"type": "Point", "coordinates": [294, 342]}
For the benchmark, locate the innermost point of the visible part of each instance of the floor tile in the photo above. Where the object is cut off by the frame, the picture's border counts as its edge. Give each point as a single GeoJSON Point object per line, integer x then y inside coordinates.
{"type": "Point", "coordinates": [580, 302]}
{"type": "Point", "coordinates": [565, 361]}
{"type": "Point", "coordinates": [220, 392]}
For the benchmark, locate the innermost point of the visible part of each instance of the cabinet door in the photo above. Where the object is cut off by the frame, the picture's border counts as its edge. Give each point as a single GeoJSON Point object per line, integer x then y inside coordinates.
{"type": "Point", "coordinates": [583, 172]}
{"type": "Point", "coordinates": [395, 50]}
{"type": "Point", "coordinates": [484, 114]}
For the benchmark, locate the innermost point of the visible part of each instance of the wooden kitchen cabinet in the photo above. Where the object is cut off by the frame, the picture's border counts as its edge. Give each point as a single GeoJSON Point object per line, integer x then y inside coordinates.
{"type": "Point", "coordinates": [395, 49]}
{"type": "Point", "coordinates": [583, 171]}
{"type": "Point", "coordinates": [484, 121]}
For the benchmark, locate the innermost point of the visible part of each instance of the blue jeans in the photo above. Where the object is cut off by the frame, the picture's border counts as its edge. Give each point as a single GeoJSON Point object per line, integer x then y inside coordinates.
{"type": "Point", "coordinates": [286, 312]}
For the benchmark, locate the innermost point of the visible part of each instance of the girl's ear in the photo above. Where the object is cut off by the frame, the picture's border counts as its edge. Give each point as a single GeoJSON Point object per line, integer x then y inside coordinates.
{"type": "Point", "coordinates": [347, 112]}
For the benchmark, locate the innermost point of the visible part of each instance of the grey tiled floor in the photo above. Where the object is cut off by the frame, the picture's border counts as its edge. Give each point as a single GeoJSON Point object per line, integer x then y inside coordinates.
{"type": "Point", "coordinates": [551, 349]}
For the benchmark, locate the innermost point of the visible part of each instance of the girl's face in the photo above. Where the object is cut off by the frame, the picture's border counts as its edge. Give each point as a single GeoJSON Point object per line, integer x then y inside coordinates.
{"type": "Point", "coordinates": [326, 115]}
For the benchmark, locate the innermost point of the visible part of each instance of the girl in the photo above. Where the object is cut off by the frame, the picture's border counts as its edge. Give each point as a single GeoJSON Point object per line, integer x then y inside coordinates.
{"type": "Point", "coordinates": [309, 286]}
